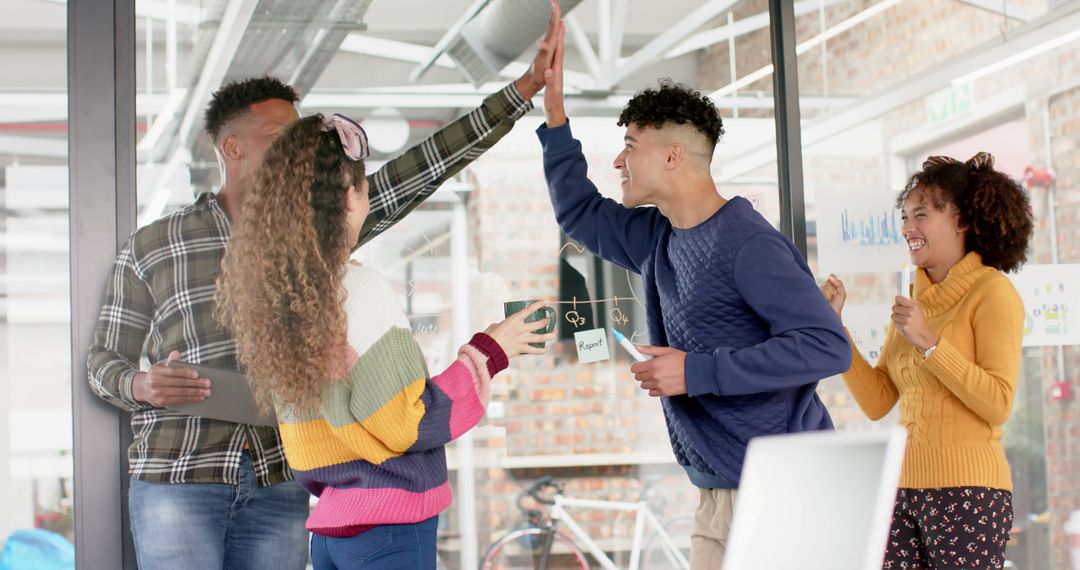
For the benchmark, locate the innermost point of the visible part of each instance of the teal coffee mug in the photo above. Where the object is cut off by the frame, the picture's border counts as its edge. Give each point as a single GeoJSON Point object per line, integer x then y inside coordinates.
{"type": "Point", "coordinates": [544, 313]}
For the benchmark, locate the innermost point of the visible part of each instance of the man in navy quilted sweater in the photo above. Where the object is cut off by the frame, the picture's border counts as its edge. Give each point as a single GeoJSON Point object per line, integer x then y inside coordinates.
{"type": "Point", "coordinates": [741, 334]}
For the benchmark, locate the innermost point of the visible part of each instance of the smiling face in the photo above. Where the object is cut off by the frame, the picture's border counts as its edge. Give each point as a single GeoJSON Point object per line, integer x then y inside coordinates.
{"type": "Point", "coordinates": [935, 237]}
{"type": "Point", "coordinates": [641, 165]}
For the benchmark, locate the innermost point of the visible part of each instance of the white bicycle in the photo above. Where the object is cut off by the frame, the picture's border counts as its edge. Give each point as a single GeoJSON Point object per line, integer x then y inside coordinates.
{"type": "Point", "coordinates": [541, 545]}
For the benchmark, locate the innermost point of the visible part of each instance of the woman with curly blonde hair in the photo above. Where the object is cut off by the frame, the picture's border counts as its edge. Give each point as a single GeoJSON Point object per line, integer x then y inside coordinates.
{"type": "Point", "coordinates": [951, 360]}
{"type": "Point", "coordinates": [328, 345]}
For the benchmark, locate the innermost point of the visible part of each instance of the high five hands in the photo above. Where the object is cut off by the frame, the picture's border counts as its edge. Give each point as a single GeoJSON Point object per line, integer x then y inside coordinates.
{"type": "Point", "coordinates": [554, 111]}
{"type": "Point", "coordinates": [550, 47]}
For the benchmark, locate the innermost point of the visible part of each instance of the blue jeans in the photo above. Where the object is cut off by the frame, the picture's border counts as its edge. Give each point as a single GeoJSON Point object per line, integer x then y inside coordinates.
{"type": "Point", "coordinates": [385, 547]}
{"type": "Point", "coordinates": [212, 526]}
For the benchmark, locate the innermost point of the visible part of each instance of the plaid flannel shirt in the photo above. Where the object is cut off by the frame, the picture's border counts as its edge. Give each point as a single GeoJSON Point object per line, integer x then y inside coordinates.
{"type": "Point", "coordinates": [161, 295]}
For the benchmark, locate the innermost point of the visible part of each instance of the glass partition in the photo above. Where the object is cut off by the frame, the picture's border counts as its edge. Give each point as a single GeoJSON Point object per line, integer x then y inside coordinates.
{"type": "Point", "coordinates": [36, 522]}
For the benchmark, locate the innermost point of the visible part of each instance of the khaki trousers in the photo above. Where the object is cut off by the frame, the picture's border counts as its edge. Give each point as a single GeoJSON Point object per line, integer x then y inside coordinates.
{"type": "Point", "coordinates": [712, 522]}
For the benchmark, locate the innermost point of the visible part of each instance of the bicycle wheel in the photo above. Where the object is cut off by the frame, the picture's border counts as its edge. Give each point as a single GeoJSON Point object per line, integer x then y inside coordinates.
{"type": "Point", "coordinates": [522, 550]}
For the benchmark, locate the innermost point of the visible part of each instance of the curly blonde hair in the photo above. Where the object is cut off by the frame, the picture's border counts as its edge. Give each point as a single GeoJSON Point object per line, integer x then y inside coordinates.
{"type": "Point", "coordinates": [280, 289]}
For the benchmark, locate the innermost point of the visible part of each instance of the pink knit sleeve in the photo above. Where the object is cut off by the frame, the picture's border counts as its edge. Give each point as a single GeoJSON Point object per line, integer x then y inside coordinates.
{"type": "Point", "coordinates": [476, 362]}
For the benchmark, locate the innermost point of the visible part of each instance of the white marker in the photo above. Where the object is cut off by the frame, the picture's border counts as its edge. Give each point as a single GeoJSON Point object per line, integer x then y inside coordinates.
{"type": "Point", "coordinates": [905, 281]}
{"type": "Point", "coordinates": [628, 346]}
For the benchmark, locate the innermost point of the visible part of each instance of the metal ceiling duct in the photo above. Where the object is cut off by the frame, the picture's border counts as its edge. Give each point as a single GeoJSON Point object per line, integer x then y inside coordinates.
{"type": "Point", "coordinates": [288, 39]}
{"type": "Point", "coordinates": [293, 40]}
{"type": "Point", "coordinates": [499, 34]}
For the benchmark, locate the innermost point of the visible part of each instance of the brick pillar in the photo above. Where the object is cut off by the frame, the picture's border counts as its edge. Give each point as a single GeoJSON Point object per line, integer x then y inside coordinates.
{"type": "Point", "coordinates": [1063, 418]}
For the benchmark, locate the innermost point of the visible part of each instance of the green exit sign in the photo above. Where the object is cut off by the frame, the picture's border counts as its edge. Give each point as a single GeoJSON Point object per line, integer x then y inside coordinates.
{"type": "Point", "coordinates": [949, 103]}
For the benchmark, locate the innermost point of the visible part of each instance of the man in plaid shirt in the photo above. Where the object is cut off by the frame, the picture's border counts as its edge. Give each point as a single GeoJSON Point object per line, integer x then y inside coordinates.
{"type": "Point", "coordinates": [210, 494]}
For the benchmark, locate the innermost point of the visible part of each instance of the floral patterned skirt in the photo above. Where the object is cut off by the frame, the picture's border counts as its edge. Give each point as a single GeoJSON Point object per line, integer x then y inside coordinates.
{"type": "Point", "coordinates": [952, 527]}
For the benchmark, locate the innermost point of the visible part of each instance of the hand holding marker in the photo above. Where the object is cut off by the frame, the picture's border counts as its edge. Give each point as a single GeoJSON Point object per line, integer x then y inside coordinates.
{"type": "Point", "coordinates": [628, 346]}
{"type": "Point", "coordinates": [905, 281]}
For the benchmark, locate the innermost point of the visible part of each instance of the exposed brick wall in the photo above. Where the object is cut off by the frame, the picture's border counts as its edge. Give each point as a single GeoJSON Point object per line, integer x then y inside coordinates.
{"type": "Point", "coordinates": [902, 41]}
{"type": "Point", "coordinates": [751, 52]}
{"type": "Point", "coordinates": [1063, 418]}
{"type": "Point", "coordinates": [516, 236]}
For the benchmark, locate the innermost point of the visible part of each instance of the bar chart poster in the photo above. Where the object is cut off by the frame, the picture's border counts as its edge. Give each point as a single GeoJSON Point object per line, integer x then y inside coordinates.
{"type": "Point", "coordinates": [859, 233]}
{"type": "Point", "coordinates": [1051, 295]}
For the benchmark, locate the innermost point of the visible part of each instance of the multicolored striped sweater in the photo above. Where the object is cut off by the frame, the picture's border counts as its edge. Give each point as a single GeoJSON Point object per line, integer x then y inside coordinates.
{"type": "Point", "coordinates": [373, 451]}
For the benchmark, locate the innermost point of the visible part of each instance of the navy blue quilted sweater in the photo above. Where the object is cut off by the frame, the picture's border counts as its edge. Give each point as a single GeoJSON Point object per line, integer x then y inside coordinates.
{"type": "Point", "coordinates": [731, 292]}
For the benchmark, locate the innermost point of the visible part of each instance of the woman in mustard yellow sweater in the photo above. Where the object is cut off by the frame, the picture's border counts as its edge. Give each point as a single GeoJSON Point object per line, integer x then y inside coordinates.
{"type": "Point", "coordinates": [951, 359]}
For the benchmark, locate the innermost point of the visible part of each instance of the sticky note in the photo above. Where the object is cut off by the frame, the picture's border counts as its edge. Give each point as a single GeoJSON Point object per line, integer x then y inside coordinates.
{"type": "Point", "coordinates": [592, 346]}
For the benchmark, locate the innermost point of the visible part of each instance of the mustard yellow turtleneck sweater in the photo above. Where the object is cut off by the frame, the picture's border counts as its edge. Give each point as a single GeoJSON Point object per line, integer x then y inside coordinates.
{"type": "Point", "coordinates": [954, 403]}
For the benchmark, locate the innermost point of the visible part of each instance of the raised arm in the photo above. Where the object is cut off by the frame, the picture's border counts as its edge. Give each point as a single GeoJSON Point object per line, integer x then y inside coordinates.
{"type": "Point", "coordinates": [624, 236]}
{"type": "Point", "coordinates": [871, 386]}
{"type": "Point", "coordinates": [406, 181]}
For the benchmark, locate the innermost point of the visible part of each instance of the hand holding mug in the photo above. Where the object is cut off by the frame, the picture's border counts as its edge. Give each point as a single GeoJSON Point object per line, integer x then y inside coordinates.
{"type": "Point", "coordinates": [526, 329]}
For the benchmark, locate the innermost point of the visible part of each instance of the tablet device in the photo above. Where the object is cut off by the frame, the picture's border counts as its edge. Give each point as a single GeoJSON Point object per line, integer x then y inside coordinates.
{"type": "Point", "coordinates": [230, 397]}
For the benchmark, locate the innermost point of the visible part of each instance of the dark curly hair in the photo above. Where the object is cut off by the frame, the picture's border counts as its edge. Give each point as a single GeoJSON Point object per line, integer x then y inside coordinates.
{"type": "Point", "coordinates": [675, 103]}
{"type": "Point", "coordinates": [279, 290]}
{"type": "Point", "coordinates": [994, 207]}
{"type": "Point", "coordinates": [235, 97]}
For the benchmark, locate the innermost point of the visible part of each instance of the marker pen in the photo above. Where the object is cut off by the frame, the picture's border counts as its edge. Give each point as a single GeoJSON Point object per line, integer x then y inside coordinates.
{"type": "Point", "coordinates": [628, 346]}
